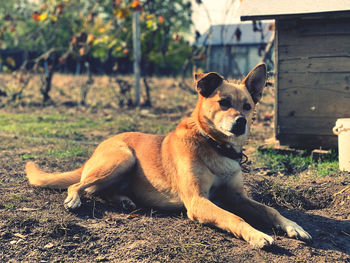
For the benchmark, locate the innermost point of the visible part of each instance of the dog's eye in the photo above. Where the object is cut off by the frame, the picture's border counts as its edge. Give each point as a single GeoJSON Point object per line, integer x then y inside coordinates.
{"type": "Point", "coordinates": [247, 107]}
{"type": "Point", "coordinates": [225, 104]}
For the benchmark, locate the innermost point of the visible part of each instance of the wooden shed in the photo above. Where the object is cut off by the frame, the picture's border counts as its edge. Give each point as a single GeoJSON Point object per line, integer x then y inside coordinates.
{"type": "Point", "coordinates": [312, 67]}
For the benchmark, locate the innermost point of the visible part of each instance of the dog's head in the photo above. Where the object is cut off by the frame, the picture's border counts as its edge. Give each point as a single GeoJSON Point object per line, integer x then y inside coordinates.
{"type": "Point", "coordinates": [224, 110]}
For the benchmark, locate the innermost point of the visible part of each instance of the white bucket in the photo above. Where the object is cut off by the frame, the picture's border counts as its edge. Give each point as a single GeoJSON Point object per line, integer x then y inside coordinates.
{"type": "Point", "coordinates": [342, 129]}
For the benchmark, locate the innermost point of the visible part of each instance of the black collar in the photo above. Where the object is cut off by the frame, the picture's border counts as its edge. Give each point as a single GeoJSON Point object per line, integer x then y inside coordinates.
{"type": "Point", "coordinates": [226, 150]}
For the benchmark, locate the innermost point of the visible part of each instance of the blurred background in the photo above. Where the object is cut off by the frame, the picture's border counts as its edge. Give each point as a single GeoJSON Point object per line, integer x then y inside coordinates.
{"type": "Point", "coordinates": [95, 38]}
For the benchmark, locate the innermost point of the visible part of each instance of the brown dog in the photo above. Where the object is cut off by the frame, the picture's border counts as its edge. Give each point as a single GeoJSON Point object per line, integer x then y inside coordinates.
{"type": "Point", "coordinates": [185, 167]}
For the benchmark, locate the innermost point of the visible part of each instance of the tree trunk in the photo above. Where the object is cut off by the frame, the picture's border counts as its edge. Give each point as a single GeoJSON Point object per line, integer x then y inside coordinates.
{"type": "Point", "coordinates": [148, 94]}
{"type": "Point", "coordinates": [137, 55]}
{"type": "Point", "coordinates": [47, 88]}
{"type": "Point", "coordinates": [86, 86]}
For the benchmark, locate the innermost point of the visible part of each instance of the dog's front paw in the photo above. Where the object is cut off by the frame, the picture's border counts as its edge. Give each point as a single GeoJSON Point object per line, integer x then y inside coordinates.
{"type": "Point", "coordinates": [260, 240]}
{"type": "Point", "coordinates": [72, 202]}
{"type": "Point", "coordinates": [293, 230]}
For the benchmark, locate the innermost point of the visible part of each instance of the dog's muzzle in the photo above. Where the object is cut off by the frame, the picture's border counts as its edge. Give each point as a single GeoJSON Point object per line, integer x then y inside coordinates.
{"type": "Point", "coordinates": [239, 126]}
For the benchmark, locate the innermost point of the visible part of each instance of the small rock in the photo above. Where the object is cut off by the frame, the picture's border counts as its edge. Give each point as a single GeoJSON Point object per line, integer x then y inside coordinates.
{"type": "Point", "coordinates": [48, 245]}
{"type": "Point", "coordinates": [101, 258]}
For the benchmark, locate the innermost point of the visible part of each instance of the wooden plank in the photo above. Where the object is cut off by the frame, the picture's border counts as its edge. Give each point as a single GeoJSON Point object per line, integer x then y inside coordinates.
{"type": "Point", "coordinates": [304, 141]}
{"type": "Point", "coordinates": [319, 125]}
{"type": "Point", "coordinates": [324, 27]}
{"type": "Point", "coordinates": [292, 32]}
{"type": "Point", "coordinates": [313, 102]}
{"type": "Point", "coordinates": [315, 64]}
{"type": "Point", "coordinates": [306, 47]}
{"type": "Point", "coordinates": [336, 81]}
{"type": "Point", "coordinates": [277, 77]}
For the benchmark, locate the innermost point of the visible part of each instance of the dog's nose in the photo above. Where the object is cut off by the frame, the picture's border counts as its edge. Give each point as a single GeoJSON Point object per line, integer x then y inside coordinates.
{"type": "Point", "coordinates": [238, 127]}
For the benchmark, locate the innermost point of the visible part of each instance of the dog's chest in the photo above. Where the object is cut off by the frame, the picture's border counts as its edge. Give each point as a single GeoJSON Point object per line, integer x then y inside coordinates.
{"type": "Point", "coordinates": [223, 168]}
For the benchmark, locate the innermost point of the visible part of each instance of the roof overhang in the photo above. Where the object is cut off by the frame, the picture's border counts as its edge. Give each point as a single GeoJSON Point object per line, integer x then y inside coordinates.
{"type": "Point", "coordinates": [285, 9]}
{"type": "Point", "coordinates": [315, 15]}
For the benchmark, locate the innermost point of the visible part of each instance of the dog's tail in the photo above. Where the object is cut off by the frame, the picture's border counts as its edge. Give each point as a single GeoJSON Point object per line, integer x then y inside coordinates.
{"type": "Point", "coordinates": [40, 178]}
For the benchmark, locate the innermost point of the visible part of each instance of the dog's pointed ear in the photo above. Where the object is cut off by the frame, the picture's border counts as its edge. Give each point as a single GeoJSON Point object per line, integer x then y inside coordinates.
{"type": "Point", "coordinates": [206, 84]}
{"type": "Point", "coordinates": [255, 81]}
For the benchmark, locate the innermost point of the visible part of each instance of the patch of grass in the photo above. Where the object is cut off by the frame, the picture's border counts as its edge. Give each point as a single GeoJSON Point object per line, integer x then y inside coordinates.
{"type": "Point", "coordinates": [18, 197]}
{"type": "Point", "coordinates": [127, 124]}
{"type": "Point", "coordinates": [292, 163]}
{"type": "Point", "coordinates": [28, 156]}
{"type": "Point", "coordinates": [9, 206]}
{"type": "Point", "coordinates": [325, 168]}
{"type": "Point", "coordinates": [68, 153]}
{"type": "Point", "coordinates": [46, 126]}
{"type": "Point", "coordinates": [15, 196]}
{"type": "Point", "coordinates": [287, 163]}
{"type": "Point", "coordinates": [287, 196]}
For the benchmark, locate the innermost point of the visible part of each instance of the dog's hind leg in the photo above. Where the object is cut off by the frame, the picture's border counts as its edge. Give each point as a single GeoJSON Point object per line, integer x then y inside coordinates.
{"type": "Point", "coordinates": [110, 160]}
{"type": "Point", "coordinates": [121, 200]}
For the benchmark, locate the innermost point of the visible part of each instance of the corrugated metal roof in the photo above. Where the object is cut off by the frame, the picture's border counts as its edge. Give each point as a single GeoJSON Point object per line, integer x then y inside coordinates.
{"type": "Point", "coordinates": [267, 9]}
{"type": "Point", "coordinates": [225, 35]}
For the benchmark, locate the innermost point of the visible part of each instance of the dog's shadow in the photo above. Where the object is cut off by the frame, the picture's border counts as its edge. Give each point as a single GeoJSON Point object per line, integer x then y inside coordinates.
{"type": "Point", "coordinates": [328, 234]}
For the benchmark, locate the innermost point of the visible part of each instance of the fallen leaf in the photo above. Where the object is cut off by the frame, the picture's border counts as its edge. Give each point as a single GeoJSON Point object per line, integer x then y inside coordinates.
{"type": "Point", "coordinates": [132, 216]}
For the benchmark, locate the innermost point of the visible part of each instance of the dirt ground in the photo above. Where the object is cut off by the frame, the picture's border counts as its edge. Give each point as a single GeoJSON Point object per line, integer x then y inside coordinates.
{"type": "Point", "coordinates": [35, 227]}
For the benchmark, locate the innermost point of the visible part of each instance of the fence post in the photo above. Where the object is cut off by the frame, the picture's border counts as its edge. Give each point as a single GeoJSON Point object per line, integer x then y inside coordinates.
{"type": "Point", "coordinates": [137, 54]}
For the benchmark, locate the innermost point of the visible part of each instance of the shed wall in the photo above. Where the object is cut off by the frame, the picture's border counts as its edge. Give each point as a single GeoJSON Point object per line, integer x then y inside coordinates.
{"type": "Point", "coordinates": [313, 80]}
{"type": "Point", "coordinates": [233, 61]}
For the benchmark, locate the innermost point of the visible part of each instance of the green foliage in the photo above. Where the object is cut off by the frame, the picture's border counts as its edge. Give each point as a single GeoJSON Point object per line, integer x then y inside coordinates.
{"type": "Point", "coordinates": [47, 126]}
{"type": "Point", "coordinates": [57, 126]}
{"type": "Point", "coordinates": [326, 167]}
{"type": "Point", "coordinates": [68, 153]}
{"type": "Point", "coordinates": [10, 206]}
{"type": "Point", "coordinates": [283, 163]}
{"type": "Point", "coordinates": [40, 25]}
{"type": "Point", "coordinates": [101, 28]}
{"type": "Point", "coordinates": [28, 156]}
{"type": "Point", "coordinates": [18, 196]}
{"type": "Point", "coordinates": [59, 153]}
{"type": "Point", "coordinates": [293, 163]}
{"type": "Point", "coordinates": [126, 125]}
